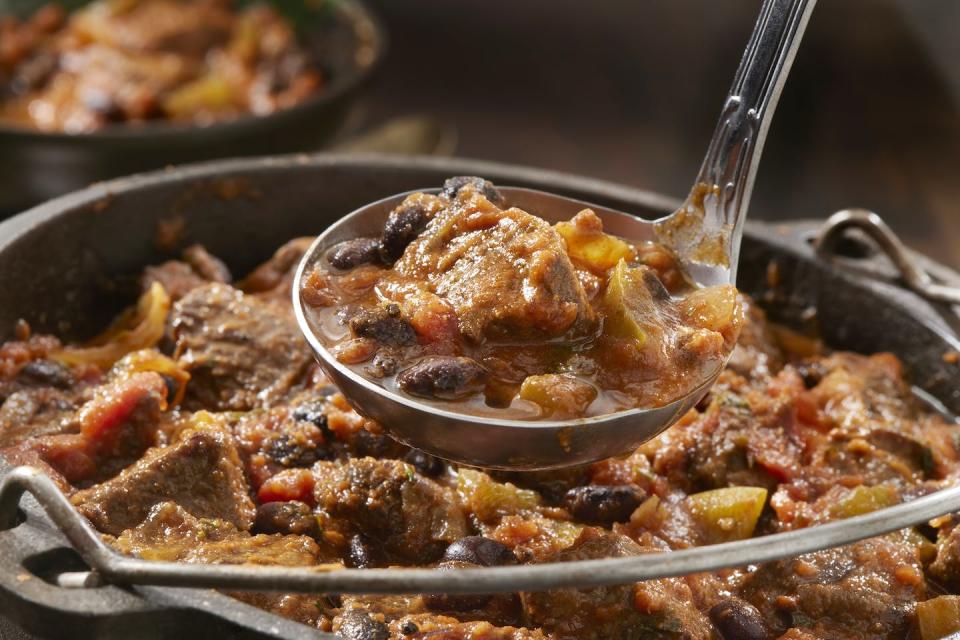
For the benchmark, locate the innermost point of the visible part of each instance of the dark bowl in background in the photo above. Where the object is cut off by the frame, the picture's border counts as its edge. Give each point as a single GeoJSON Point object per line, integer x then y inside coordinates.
{"type": "Point", "coordinates": [345, 39]}
{"type": "Point", "coordinates": [66, 267]}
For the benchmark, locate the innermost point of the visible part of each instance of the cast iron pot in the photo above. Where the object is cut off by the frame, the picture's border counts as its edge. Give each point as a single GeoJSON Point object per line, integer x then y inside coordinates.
{"type": "Point", "coordinates": [346, 40]}
{"type": "Point", "coordinates": [67, 266]}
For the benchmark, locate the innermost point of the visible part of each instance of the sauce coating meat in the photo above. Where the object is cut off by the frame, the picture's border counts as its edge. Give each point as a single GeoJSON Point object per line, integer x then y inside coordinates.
{"type": "Point", "coordinates": [497, 312]}
{"type": "Point", "coordinates": [197, 429]}
{"type": "Point", "coordinates": [197, 61]}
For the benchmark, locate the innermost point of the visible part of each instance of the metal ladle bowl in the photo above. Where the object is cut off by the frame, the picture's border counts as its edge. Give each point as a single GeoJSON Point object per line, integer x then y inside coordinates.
{"type": "Point", "coordinates": [704, 232]}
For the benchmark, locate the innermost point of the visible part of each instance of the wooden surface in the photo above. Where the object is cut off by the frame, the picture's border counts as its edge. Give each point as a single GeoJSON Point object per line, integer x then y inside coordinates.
{"type": "Point", "coordinates": [629, 91]}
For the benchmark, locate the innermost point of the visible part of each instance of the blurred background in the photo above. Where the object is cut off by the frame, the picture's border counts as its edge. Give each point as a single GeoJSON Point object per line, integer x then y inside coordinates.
{"type": "Point", "coordinates": [629, 92]}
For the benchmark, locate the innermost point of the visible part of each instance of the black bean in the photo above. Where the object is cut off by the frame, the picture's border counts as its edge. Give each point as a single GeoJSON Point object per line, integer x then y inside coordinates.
{"type": "Point", "coordinates": [359, 554]}
{"type": "Point", "coordinates": [314, 413]}
{"type": "Point", "coordinates": [453, 186]}
{"type": "Point", "coordinates": [288, 451]}
{"type": "Point", "coordinates": [601, 504]}
{"type": "Point", "coordinates": [446, 377]}
{"type": "Point", "coordinates": [480, 551]}
{"type": "Point", "coordinates": [353, 253]}
{"type": "Point", "coordinates": [45, 372]}
{"type": "Point", "coordinates": [738, 620]}
{"type": "Point", "coordinates": [704, 403]}
{"type": "Point", "coordinates": [384, 325]}
{"type": "Point", "coordinates": [291, 517]}
{"type": "Point", "coordinates": [403, 224]}
{"type": "Point", "coordinates": [811, 373]}
{"type": "Point", "coordinates": [358, 625]}
{"type": "Point", "coordinates": [449, 603]}
{"type": "Point", "coordinates": [425, 464]}
{"type": "Point", "coordinates": [409, 628]}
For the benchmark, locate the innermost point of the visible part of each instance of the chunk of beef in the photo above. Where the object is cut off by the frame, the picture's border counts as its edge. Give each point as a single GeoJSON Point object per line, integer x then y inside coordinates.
{"type": "Point", "coordinates": [946, 567]}
{"type": "Point", "coordinates": [383, 324]}
{"type": "Point", "coordinates": [201, 473]}
{"type": "Point", "coordinates": [505, 273]}
{"type": "Point", "coordinates": [286, 517]}
{"type": "Point", "coordinates": [273, 279]}
{"type": "Point", "coordinates": [38, 396]}
{"type": "Point", "coordinates": [866, 591]}
{"type": "Point", "coordinates": [657, 609]}
{"type": "Point", "coordinates": [115, 427]}
{"type": "Point", "coordinates": [29, 413]}
{"type": "Point", "coordinates": [172, 534]}
{"type": "Point", "coordinates": [180, 277]}
{"type": "Point", "coordinates": [241, 353]}
{"type": "Point", "coordinates": [412, 518]}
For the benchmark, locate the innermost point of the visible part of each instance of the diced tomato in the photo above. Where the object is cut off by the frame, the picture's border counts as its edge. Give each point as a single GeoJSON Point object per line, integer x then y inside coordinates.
{"type": "Point", "coordinates": [101, 417]}
{"type": "Point", "coordinates": [290, 484]}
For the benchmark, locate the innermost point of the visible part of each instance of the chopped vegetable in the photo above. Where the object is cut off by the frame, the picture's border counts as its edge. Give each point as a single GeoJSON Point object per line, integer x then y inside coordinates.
{"type": "Point", "coordinates": [138, 328]}
{"type": "Point", "coordinates": [558, 395]}
{"type": "Point", "coordinates": [153, 360]}
{"type": "Point", "coordinates": [727, 514]}
{"type": "Point", "coordinates": [489, 499]}
{"type": "Point", "coordinates": [715, 308]}
{"type": "Point", "coordinates": [596, 250]}
{"type": "Point", "coordinates": [209, 93]}
{"type": "Point", "coordinates": [938, 617]}
{"type": "Point", "coordinates": [629, 304]}
{"type": "Point", "coordinates": [865, 499]}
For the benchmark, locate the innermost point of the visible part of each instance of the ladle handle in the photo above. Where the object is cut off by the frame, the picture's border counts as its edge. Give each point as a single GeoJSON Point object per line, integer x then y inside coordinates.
{"type": "Point", "coordinates": [725, 182]}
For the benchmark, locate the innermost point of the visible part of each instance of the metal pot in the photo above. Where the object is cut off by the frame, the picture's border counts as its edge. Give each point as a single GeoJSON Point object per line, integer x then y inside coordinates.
{"type": "Point", "coordinates": [347, 41]}
{"type": "Point", "coordinates": [65, 267]}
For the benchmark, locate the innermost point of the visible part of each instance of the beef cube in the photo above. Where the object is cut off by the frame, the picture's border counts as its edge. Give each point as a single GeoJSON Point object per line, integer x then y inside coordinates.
{"type": "Point", "coordinates": [273, 279]}
{"type": "Point", "coordinates": [172, 534]}
{"type": "Point", "coordinates": [202, 473]}
{"type": "Point", "coordinates": [116, 426]}
{"type": "Point", "coordinates": [411, 517]}
{"type": "Point", "coordinates": [383, 324]}
{"type": "Point", "coordinates": [505, 273]}
{"type": "Point", "coordinates": [867, 591]}
{"type": "Point", "coordinates": [179, 278]}
{"type": "Point", "coordinates": [661, 609]}
{"type": "Point", "coordinates": [241, 353]}
{"type": "Point", "coordinates": [946, 567]}
{"type": "Point", "coordinates": [30, 413]}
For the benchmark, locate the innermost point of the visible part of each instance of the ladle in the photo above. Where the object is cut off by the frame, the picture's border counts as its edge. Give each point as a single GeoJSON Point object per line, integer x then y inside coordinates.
{"type": "Point", "coordinates": [705, 233]}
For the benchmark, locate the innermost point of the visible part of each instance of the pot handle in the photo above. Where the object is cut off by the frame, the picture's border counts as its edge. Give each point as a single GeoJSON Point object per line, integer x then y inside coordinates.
{"type": "Point", "coordinates": [914, 276]}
